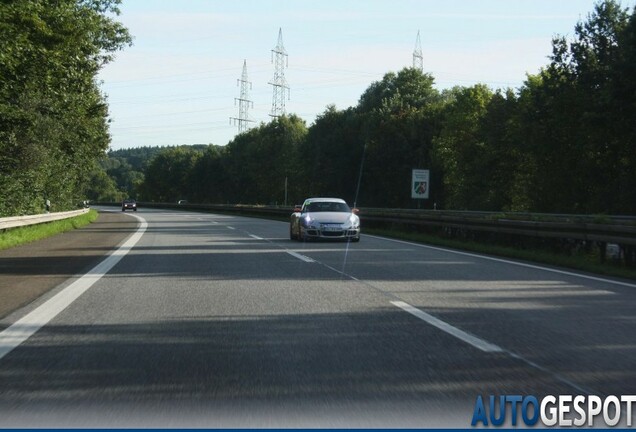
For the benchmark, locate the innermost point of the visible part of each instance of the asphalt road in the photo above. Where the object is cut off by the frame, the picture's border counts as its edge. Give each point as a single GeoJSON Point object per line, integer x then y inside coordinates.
{"type": "Point", "coordinates": [222, 321]}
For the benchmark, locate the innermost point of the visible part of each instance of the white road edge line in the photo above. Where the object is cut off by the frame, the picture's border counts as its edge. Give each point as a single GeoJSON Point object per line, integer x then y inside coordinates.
{"type": "Point", "coordinates": [536, 267]}
{"type": "Point", "coordinates": [256, 237]}
{"type": "Point", "coordinates": [300, 257]}
{"type": "Point", "coordinates": [27, 326]}
{"type": "Point", "coordinates": [453, 331]}
{"type": "Point", "coordinates": [482, 344]}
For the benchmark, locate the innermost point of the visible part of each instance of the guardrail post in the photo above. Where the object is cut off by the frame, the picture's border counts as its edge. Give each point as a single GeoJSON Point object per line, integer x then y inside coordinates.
{"type": "Point", "coordinates": [602, 247]}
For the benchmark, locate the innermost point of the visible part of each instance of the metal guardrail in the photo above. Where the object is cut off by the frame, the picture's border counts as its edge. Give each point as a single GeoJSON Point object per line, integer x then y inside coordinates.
{"type": "Point", "coordinates": [18, 221]}
{"type": "Point", "coordinates": [610, 230]}
{"type": "Point", "coordinates": [598, 228]}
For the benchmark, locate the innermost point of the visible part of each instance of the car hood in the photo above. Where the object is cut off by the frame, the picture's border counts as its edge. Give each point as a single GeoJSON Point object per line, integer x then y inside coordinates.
{"type": "Point", "coordinates": [329, 217]}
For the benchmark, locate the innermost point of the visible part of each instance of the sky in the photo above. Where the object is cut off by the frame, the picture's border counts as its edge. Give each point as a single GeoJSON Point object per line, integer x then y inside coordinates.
{"type": "Point", "coordinates": [177, 84]}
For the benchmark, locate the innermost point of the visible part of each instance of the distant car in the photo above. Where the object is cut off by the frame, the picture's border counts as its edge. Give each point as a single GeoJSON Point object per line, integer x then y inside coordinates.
{"type": "Point", "coordinates": [181, 202]}
{"type": "Point", "coordinates": [129, 204]}
{"type": "Point", "coordinates": [324, 218]}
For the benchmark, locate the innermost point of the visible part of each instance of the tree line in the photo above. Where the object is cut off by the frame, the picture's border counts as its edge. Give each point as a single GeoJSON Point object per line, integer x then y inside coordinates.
{"type": "Point", "coordinates": [565, 142]}
{"type": "Point", "coordinates": [53, 116]}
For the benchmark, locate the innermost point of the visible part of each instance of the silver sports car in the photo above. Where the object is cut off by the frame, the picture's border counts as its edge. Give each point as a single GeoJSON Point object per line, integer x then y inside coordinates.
{"type": "Point", "coordinates": [324, 218]}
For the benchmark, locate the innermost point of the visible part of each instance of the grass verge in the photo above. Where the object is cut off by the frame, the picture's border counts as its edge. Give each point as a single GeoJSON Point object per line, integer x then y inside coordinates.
{"type": "Point", "coordinates": [23, 235]}
{"type": "Point", "coordinates": [581, 262]}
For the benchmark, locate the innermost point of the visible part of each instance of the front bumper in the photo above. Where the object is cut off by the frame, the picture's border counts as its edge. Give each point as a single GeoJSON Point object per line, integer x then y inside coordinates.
{"type": "Point", "coordinates": [330, 233]}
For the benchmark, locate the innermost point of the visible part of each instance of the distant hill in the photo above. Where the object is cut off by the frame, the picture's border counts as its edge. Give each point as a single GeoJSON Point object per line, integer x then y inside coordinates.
{"type": "Point", "coordinates": [139, 157]}
{"type": "Point", "coordinates": [127, 166]}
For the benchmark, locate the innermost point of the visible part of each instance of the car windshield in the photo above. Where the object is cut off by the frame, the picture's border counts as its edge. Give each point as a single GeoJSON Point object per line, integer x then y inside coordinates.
{"type": "Point", "coordinates": [327, 206]}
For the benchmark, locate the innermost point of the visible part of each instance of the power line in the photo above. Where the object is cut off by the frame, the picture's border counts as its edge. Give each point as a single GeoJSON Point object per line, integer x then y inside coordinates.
{"type": "Point", "coordinates": [187, 76]}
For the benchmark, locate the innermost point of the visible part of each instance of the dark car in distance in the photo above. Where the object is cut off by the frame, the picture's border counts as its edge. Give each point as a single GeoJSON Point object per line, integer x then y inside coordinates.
{"type": "Point", "coordinates": [129, 204]}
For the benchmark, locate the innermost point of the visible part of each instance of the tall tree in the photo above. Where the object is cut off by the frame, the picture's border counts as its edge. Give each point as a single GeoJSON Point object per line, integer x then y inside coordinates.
{"type": "Point", "coordinates": [331, 155]}
{"type": "Point", "coordinates": [461, 148]}
{"type": "Point", "coordinates": [399, 118]}
{"type": "Point", "coordinates": [168, 177]}
{"type": "Point", "coordinates": [623, 97]}
{"type": "Point", "coordinates": [569, 118]}
{"type": "Point", "coordinates": [209, 180]}
{"type": "Point", "coordinates": [53, 118]}
{"type": "Point", "coordinates": [260, 159]}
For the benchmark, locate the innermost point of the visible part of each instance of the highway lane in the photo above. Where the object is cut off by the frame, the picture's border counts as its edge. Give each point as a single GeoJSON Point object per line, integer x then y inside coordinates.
{"type": "Point", "coordinates": [215, 320]}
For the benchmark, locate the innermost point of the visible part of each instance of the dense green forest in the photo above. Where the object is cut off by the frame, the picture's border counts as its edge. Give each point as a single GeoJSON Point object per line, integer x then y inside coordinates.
{"type": "Point", "coordinates": [564, 142]}
{"type": "Point", "coordinates": [53, 117]}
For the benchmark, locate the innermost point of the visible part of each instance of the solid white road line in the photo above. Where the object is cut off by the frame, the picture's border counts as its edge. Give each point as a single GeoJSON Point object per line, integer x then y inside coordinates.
{"type": "Point", "coordinates": [25, 327]}
{"type": "Point", "coordinates": [536, 267]}
{"type": "Point", "coordinates": [453, 331]}
{"type": "Point", "coordinates": [300, 257]}
{"type": "Point", "coordinates": [484, 345]}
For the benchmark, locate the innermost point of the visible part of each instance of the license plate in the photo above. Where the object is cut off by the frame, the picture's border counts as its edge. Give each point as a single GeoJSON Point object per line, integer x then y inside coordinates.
{"type": "Point", "coordinates": [331, 228]}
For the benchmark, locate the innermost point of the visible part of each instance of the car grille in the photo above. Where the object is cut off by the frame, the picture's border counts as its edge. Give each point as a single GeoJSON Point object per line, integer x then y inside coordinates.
{"type": "Point", "coordinates": [332, 233]}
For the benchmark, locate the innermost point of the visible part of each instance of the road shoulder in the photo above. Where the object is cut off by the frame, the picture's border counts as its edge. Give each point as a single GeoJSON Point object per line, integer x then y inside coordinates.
{"type": "Point", "coordinates": [29, 271]}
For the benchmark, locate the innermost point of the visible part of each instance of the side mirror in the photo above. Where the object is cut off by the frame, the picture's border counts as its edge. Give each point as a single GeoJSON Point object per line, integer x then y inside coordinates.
{"type": "Point", "coordinates": [355, 210]}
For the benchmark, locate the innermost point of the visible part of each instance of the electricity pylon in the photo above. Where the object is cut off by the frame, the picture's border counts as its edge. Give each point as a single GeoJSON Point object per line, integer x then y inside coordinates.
{"type": "Point", "coordinates": [279, 83]}
{"type": "Point", "coordinates": [243, 101]}
{"type": "Point", "coordinates": [418, 58]}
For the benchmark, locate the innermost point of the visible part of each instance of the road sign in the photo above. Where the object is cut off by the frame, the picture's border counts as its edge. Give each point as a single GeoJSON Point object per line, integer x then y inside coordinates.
{"type": "Point", "coordinates": [420, 184]}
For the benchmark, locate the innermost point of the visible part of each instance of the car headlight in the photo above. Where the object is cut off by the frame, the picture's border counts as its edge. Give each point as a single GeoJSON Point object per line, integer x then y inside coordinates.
{"type": "Point", "coordinates": [354, 221]}
{"type": "Point", "coordinates": [307, 221]}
